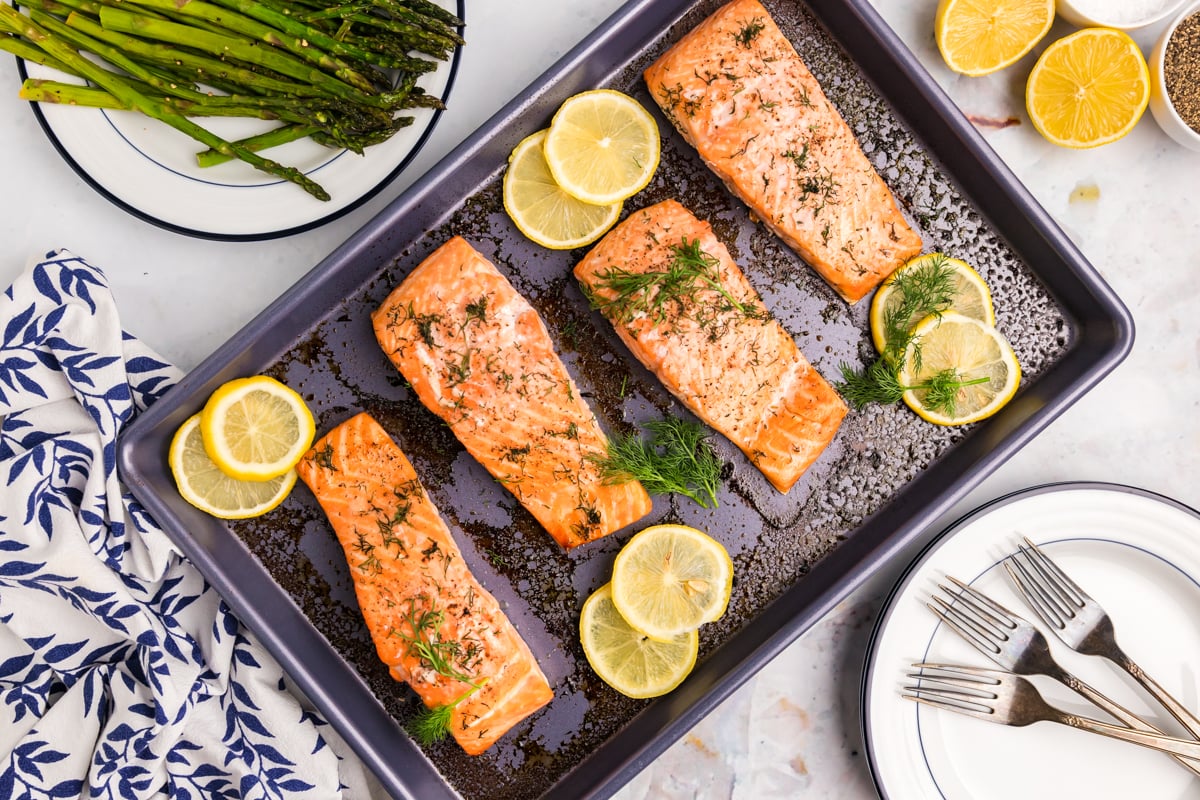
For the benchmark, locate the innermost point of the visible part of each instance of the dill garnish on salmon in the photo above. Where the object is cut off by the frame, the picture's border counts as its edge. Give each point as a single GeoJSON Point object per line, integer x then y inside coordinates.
{"type": "Point", "coordinates": [685, 310]}
{"type": "Point", "coordinates": [736, 90]}
{"type": "Point", "coordinates": [432, 623]}
{"type": "Point", "coordinates": [478, 355]}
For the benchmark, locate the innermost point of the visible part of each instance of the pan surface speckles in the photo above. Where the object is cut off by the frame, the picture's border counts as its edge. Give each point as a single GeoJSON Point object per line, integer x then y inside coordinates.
{"type": "Point", "coordinates": [775, 540]}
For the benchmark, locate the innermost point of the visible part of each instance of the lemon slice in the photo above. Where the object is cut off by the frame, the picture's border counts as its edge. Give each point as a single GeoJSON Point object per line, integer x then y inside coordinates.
{"type": "Point", "coordinates": [542, 210]}
{"type": "Point", "coordinates": [969, 295]}
{"type": "Point", "coordinates": [602, 146]}
{"type": "Point", "coordinates": [977, 351]}
{"type": "Point", "coordinates": [209, 489]}
{"type": "Point", "coordinates": [977, 37]}
{"type": "Point", "coordinates": [1088, 89]}
{"type": "Point", "coordinates": [256, 428]}
{"type": "Point", "coordinates": [627, 660]}
{"type": "Point", "coordinates": [670, 579]}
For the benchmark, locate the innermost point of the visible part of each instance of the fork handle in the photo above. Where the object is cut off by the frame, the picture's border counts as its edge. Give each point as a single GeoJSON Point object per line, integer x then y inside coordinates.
{"type": "Point", "coordinates": [1168, 744]}
{"type": "Point", "coordinates": [1119, 712]}
{"type": "Point", "coordinates": [1186, 718]}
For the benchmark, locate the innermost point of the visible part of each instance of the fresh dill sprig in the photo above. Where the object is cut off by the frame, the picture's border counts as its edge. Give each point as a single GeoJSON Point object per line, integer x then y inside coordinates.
{"type": "Point", "coordinates": [925, 289]}
{"type": "Point", "coordinates": [432, 725]}
{"type": "Point", "coordinates": [654, 292]}
{"type": "Point", "coordinates": [676, 459]}
{"type": "Point", "coordinates": [440, 655]}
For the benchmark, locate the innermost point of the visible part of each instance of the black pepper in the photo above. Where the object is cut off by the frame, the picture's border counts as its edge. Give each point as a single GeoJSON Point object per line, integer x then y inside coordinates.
{"type": "Point", "coordinates": [1181, 70]}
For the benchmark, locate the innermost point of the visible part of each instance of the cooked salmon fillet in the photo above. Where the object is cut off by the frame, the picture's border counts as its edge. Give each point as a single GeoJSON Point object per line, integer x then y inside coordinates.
{"type": "Point", "coordinates": [736, 90]}
{"type": "Point", "coordinates": [478, 355]}
{"type": "Point", "coordinates": [416, 593]}
{"type": "Point", "coordinates": [702, 329]}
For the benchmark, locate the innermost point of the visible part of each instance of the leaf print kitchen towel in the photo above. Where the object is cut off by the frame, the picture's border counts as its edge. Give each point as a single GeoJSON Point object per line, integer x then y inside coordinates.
{"type": "Point", "coordinates": [122, 673]}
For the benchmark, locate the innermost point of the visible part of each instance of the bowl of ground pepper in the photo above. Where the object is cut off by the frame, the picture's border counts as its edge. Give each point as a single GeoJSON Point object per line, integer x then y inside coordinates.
{"type": "Point", "coordinates": [1175, 78]}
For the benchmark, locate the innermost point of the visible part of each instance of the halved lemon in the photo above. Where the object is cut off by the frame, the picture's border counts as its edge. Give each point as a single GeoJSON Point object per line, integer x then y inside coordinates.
{"type": "Point", "coordinates": [1088, 89]}
{"type": "Point", "coordinates": [602, 146]}
{"type": "Point", "coordinates": [209, 489]}
{"type": "Point", "coordinates": [969, 294]}
{"type": "Point", "coordinates": [256, 428]}
{"type": "Point", "coordinates": [628, 660]}
{"type": "Point", "coordinates": [984, 364]}
{"type": "Point", "coordinates": [670, 579]}
{"type": "Point", "coordinates": [542, 210]}
{"type": "Point", "coordinates": [977, 37]}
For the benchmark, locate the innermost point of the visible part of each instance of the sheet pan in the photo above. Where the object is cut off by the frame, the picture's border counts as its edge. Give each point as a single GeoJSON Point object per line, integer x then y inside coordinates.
{"type": "Point", "coordinates": [886, 477]}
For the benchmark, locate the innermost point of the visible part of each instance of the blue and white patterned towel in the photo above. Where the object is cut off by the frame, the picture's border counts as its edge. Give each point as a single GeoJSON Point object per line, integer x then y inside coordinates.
{"type": "Point", "coordinates": [122, 673]}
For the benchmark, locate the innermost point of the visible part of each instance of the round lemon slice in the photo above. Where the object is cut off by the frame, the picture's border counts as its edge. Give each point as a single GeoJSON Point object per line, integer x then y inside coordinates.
{"type": "Point", "coordinates": [985, 365]}
{"type": "Point", "coordinates": [256, 428]}
{"type": "Point", "coordinates": [670, 579]}
{"type": "Point", "coordinates": [969, 295]}
{"type": "Point", "coordinates": [1088, 89]}
{"type": "Point", "coordinates": [628, 660]}
{"type": "Point", "coordinates": [542, 210]}
{"type": "Point", "coordinates": [209, 489]}
{"type": "Point", "coordinates": [977, 37]}
{"type": "Point", "coordinates": [602, 146]}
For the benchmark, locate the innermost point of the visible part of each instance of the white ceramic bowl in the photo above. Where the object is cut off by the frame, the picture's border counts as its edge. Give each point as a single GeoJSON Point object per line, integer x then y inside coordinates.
{"type": "Point", "coordinates": [1160, 102]}
{"type": "Point", "coordinates": [1085, 14]}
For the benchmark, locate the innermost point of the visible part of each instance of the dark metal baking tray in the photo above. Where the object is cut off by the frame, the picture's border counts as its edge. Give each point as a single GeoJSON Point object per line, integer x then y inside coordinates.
{"type": "Point", "coordinates": [886, 477]}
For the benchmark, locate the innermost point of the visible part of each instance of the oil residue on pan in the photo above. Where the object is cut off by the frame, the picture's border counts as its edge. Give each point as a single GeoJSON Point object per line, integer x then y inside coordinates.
{"type": "Point", "coordinates": [774, 540]}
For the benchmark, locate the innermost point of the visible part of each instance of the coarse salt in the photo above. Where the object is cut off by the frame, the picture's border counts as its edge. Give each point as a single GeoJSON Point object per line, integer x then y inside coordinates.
{"type": "Point", "coordinates": [1122, 12]}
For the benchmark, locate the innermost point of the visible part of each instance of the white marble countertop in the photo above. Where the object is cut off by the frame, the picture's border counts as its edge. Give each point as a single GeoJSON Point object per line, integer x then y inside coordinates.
{"type": "Point", "coordinates": [794, 729]}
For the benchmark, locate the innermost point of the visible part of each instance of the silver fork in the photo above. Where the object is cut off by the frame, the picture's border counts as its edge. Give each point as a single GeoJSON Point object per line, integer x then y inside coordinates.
{"type": "Point", "coordinates": [1009, 699]}
{"type": "Point", "coordinates": [1080, 622]}
{"type": "Point", "coordinates": [1017, 646]}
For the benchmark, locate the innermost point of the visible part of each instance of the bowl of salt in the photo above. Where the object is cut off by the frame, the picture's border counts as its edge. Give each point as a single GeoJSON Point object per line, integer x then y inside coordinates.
{"type": "Point", "coordinates": [1124, 15]}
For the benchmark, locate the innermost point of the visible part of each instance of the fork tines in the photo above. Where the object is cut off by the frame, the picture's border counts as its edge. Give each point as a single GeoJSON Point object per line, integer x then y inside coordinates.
{"type": "Point", "coordinates": [955, 687]}
{"type": "Point", "coordinates": [975, 616]}
{"type": "Point", "coordinates": [1053, 595]}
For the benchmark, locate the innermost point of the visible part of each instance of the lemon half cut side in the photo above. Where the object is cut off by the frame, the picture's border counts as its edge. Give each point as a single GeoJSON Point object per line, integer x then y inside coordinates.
{"type": "Point", "coordinates": [1088, 89]}
{"type": "Point", "coordinates": [979, 37]}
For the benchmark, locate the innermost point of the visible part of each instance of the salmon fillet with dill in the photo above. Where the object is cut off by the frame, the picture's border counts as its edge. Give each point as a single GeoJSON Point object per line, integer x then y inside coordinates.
{"type": "Point", "coordinates": [432, 623]}
{"type": "Point", "coordinates": [737, 91]}
{"type": "Point", "coordinates": [479, 356]}
{"type": "Point", "coordinates": [686, 311]}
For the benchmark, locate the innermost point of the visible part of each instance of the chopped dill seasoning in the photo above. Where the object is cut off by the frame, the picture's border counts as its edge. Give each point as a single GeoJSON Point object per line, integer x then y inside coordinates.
{"type": "Point", "coordinates": [750, 31]}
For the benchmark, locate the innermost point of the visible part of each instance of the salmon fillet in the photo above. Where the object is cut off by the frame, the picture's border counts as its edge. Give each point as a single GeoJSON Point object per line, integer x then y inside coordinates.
{"type": "Point", "coordinates": [710, 340]}
{"type": "Point", "coordinates": [737, 91]}
{"type": "Point", "coordinates": [478, 355]}
{"type": "Point", "coordinates": [415, 590]}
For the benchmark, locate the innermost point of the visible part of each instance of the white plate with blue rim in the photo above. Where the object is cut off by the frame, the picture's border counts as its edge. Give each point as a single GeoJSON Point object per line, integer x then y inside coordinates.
{"type": "Point", "coordinates": [1138, 555]}
{"type": "Point", "coordinates": [149, 169]}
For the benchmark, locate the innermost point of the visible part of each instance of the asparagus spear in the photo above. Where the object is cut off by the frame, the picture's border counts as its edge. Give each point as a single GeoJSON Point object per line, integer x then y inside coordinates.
{"type": "Point", "coordinates": [320, 73]}
{"type": "Point", "coordinates": [135, 100]}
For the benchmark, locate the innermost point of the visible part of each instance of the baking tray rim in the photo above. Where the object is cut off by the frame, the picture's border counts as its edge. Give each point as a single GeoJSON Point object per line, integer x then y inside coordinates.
{"type": "Point", "coordinates": [1103, 342]}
